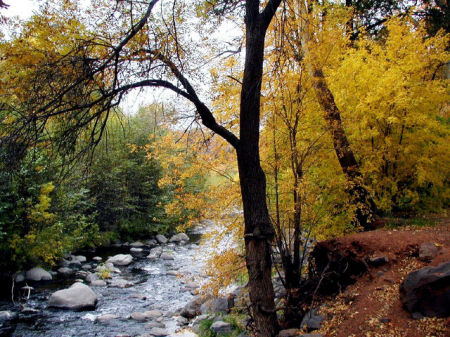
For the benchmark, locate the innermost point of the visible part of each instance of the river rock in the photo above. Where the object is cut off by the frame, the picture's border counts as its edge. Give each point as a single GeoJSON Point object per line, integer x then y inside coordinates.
{"type": "Point", "coordinates": [427, 251]}
{"type": "Point", "coordinates": [155, 253]}
{"type": "Point", "coordinates": [172, 273]}
{"type": "Point", "coordinates": [38, 274]}
{"type": "Point", "coordinates": [192, 308]}
{"type": "Point", "coordinates": [98, 283]}
{"type": "Point", "coordinates": [120, 283]}
{"type": "Point", "coordinates": [97, 259]}
{"type": "Point", "coordinates": [79, 258]}
{"type": "Point", "coordinates": [120, 259]}
{"type": "Point", "coordinates": [151, 242]}
{"type": "Point", "coordinates": [78, 297]}
{"type": "Point", "coordinates": [158, 332]}
{"type": "Point", "coordinates": [179, 237]}
{"type": "Point", "coordinates": [155, 325]}
{"type": "Point", "coordinates": [6, 315]}
{"type": "Point", "coordinates": [137, 244]}
{"type": "Point", "coordinates": [106, 318]}
{"type": "Point", "coordinates": [221, 327]}
{"type": "Point", "coordinates": [153, 313]}
{"type": "Point", "coordinates": [136, 250]}
{"type": "Point", "coordinates": [215, 305]}
{"type": "Point", "coordinates": [65, 271]}
{"type": "Point", "coordinates": [426, 291]}
{"type": "Point", "coordinates": [289, 333]}
{"type": "Point", "coordinates": [138, 316]}
{"type": "Point", "coordinates": [166, 256]}
{"type": "Point", "coordinates": [20, 277]}
{"type": "Point", "coordinates": [312, 321]}
{"type": "Point", "coordinates": [161, 239]}
{"type": "Point", "coordinates": [86, 266]}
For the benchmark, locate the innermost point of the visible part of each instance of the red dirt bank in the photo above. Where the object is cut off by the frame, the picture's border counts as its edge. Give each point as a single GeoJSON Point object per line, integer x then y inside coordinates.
{"type": "Point", "coordinates": [371, 307]}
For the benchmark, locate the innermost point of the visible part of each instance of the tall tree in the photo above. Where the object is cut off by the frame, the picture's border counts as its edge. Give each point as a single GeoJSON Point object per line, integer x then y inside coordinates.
{"type": "Point", "coordinates": [95, 71]}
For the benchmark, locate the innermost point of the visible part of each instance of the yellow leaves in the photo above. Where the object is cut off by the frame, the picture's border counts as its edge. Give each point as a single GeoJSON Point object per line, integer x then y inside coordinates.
{"type": "Point", "coordinates": [38, 213]}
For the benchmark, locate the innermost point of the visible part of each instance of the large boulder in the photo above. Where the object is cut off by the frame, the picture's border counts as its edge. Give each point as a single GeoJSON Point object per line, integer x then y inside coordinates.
{"type": "Point", "coordinates": [38, 274]}
{"type": "Point", "coordinates": [78, 297]}
{"type": "Point", "coordinates": [426, 292]}
{"type": "Point", "coordinates": [121, 259]}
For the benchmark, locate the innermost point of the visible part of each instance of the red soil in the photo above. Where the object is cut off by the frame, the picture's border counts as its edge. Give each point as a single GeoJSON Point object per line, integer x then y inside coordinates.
{"type": "Point", "coordinates": [371, 307]}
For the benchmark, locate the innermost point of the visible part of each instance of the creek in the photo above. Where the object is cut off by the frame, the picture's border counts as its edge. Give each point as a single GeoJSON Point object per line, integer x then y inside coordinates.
{"type": "Point", "coordinates": [157, 284]}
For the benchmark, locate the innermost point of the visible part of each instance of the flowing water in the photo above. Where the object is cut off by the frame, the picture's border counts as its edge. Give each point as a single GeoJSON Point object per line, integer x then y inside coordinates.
{"type": "Point", "coordinates": [153, 289]}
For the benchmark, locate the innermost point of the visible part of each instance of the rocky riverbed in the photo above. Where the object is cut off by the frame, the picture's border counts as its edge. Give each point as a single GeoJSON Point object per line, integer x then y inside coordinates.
{"type": "Point", "coordinates": [144, 287]}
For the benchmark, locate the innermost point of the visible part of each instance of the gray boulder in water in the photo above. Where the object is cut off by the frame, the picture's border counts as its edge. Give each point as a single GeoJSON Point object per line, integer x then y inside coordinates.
{"type": "Point", "coordinates": [120, 259]}
{"type": "Point", "coordinates": [38, 274]}
{"type": "Point", "coordinates": [78, 297]}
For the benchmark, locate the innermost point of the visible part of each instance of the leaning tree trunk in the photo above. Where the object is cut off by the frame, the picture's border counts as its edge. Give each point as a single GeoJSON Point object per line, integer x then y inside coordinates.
{"type": "Point", "coordinates": [365, 206]}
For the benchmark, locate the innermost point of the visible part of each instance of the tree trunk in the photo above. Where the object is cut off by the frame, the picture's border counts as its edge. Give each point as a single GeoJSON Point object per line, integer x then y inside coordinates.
{"type": "Point", "coordinates": [259, 231]}
{"type": "Point", "coordinates": [365, 206]}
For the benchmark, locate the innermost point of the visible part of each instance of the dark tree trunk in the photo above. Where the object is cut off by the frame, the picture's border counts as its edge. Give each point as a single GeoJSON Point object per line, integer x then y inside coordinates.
{"type": "Point", "coordinates": [365, 206]}
{"type": "Point", "coordinates": [259, 231]}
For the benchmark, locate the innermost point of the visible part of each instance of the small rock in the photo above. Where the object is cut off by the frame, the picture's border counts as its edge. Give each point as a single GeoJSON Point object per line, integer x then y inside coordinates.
{"type": "Point", "coordinates": [28, 310]}
{"type": "Point", "coordinates": [97, 259]}
{"type": "Point", "coordinates": [182, 320]}
{"type": "Point", "coordinates": [139, 316]}
{"type": "Point", "coordinates": [158, 332]}
{"type": "Point", "coordinates": [192, 308]}
{"type": "Point", "coordinates": [38, 274]}
{"type": "Point", "coordinates": [427, 251]}
{"type": "Point", "coordinates": [153, 313]}
{"type": "Point", "coordinates": [137, 244]}
{"type": "Point", "coordinates": [289, 333]}
{"type": "Point", "coordinates": [106, 318]}
{"type": "Point", "coordinates": [6, 315]}
{"type": "Point", "coordinates": [86, 266]}
{"type": "Point", "coordinates": [20, 277]}
{"type": "Point", "coordinates": [77, 258]}
{"type": "Point", "coordinates": [155, 325]}
{"type": "Point", "coordinates": [221, 327]}
{"type": "Point", "coordinates": [378, 261]}
{"type": "Point", "coordinates": [98, 283]}
{"type": "Point", "coordinates": [167, 256]}
{"type": "Point", "coordinates": [161, 239]}
{"type": "Point", "coordinates": [179, 237]}
{"type": "Point", "coordinates": [65, 271]}
{"type": "Point", "coordinates": [219, 304]}
{"type": "Point", "coordinates": [139, 296]}
{"type": "Point", "coordinates": [312, 321]}
{"type": "Point", "coordinates": [136, 250]}
{"type": "Point", "coordinates": [120, 283]}
{"type": "Point", "coordinates": [172, 272]}
{"type": "Point", "coordinates": [91, 277]}
{"type": "Point", "coordinates": [120, 259]}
